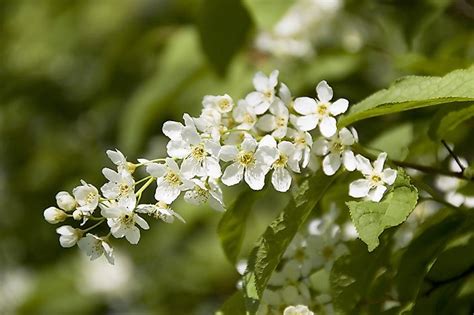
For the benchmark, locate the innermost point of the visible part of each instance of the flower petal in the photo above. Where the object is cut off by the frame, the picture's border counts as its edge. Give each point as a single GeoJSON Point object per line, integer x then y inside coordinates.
{"type": "Point", "coordinates": [255, 176]}
{"type": "Point", "coordinates": [266, 123]}
{"type": "Point", "coordinates": [281, 179]}
{"type": "Point", "coordinates": [260, 81]}
{"type": "Point", "coordinates": [305, 105]}
{"type": "Point", "coordinates": [228, 153]}
{"type": "Point", "coordinates": [324, 91]}
{"type": "Point", "coordinates": [346, 137]}
{"type": "Point", "coordinates": [378, 164]}
{"type": "Point", "coordinates": [359, 188]}
{"type": "Point", "coordinates": [172, 130]}
{"type": "Point", "coordinates": [327, 126]}
{"type": "Point", "coordinates": [307, 123]}
{"type": "Point", "coordinates": [212, 167]}
{"type": "Point", "coordinates": [321, 147]}
{"type": "Point", "coordinates": [331, 163]}
{"type": "Point", "coordinates": [133, 235]}
{"type": "Point", "coordinates": [167, 193]}
{"type": "Point", "coordinates": [233, 174]}
{"type": "Point", "coordinates": [349, 160]}
{"type": "Point", "coordinates": [363, 165]}
{"type": "Point", "coordinates": [389, 176]}
{"type": "Point", "coordinates": [177, 149]}
{"type": "Point", "coordinates": [338, 107]}
{"type": "Point", "coordinates": [249, 144]}
{"type": "Point", "coordinates": [377, 193]}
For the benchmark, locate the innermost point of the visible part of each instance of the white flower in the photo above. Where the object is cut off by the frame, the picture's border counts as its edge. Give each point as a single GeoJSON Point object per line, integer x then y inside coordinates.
{"type": "Point", "coordinates": [325, 248]}
{"type": "Point", "coordinates": [69, 235]}
{"type": "Point", "coordinates": [121, 184]}
{"type": "Point", "coordinates": [320, 112]}
{"type": "Point", "coordinates": [170, 180]}
{"type": "Point", "coordinates": [336, 150]}
{"type": "Point", "coordinates": [211, 123]}
{"type": "Point", "coordinates": [205, 192]}
{"type": "Point", "coordinates": [87, 197]}
{"type": "Point", "coordinates": [264, 95]}
{"type": "Point", "coordinates": [373, 186]}
{"type": "Point", "coordinates": [244, 114]}
{"type": "Point", "coordinates": [277, 121]}
{"type": "Point", "coordinates": [54, 215]}
{"type": "Point", "coordinates": [303, 142]}
{"type": "Point", "coordinates": [65, 201]}
{"type": "Point", "coordinates": [449, 185]}
{"type": "Point", "coordinates": [161, 211]}
{"type": "Point", "coordinates": [200, 155]}
{"type": "Point", "coordinates": [95, 246]}
{"type": "Point", "coordinates": [297, 310]}
{"type": "Point", "coordinates": [119, 159]}
{"type": "Point", "coordinates": [249, 162]}
{"type": "Point", "coordinates": [287, 159]}
{"type": "Point", "coordinates": [121, 220]}
{"type": "Point", "coordinates": [221, 103]}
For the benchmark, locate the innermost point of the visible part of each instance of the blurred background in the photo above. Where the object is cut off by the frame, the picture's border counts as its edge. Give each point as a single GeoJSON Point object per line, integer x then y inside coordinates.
{"type": "Point", "coordinates": [80, 77]}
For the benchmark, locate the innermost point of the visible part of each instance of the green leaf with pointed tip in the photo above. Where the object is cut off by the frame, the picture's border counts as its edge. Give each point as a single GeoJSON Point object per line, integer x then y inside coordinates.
{"type": "Point", "coordinates": [372, 218]}
{"type": "Point", "coordinates": [223, 28]}
{"type": "Point", "coordinates": [448, 119]}
{"type": "Point", "coordinates": [266, 13]}
{"type": "Point", "coordinates": [266, 255]}
{"type": "Point", "coordinates": [231, 228]}
{"type": "Point", "coordinates": [414, 92]}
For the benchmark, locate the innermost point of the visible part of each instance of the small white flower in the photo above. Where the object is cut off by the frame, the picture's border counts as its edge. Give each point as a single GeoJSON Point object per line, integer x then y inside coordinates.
{"type": "Point", "coordinates": [244, 114]}
{"type": "Point", "coordinates": [320, 111]}
{"type": "Point", "coordinates": [336, 151]}
{"type": "Point", "coordinates": [87, 197]}
{"type": "Point", "coordinates": [161, 211]}
{"type": "Point", "coordinates": [121, 184]}
{"type": "Point", "coordinates": [54, 215]}
{"type": "Point", "coordinates": [211, 123]}
{"type": "Point", "coordinates": [303, 143]}
{"type": "Point", "coordinates": [263, 97]}
{"type": "Point", "coordinates": [95, 246]}
{"type": "Point", "coordinates": [287, 159]}
{"type": "Point", "coordinates": [297, 310]}
{"type": "Point", "coordinates": [170, 180]}
{"type": "Point", "coordinates": [205, 192]}
{"type": "Point", "coordinates": [277, 121]}
{"type": "Point", "coordinates": [249, 162]}
{"type": "Point", "coordinates": [121, 220]}
{"type": "Point", "coordinates": [69, 235]}
{"type": "Point", "coordinates": [65, 201]}
{"type": "Point", "coordinates": [120, 160]}
{"type": "Point", "coordinates": [376, 177]}
{"type": "Point", "coordinates": [221, 103]}
{"type": "Point", "coordinates": [200, 155]}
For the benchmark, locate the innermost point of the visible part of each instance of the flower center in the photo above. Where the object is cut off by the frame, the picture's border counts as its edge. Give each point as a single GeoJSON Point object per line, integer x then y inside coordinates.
{"type": "Point", "coordinates": [322, 109]}
{"type": "Point", "coordinates": [90, 197]}
{"type": "Point", "coordinates": [281, 122]}
{"type": "Point", "coordinates": [328, 252]}
{"type": "Point", "coordinates": [300, 140]}
{"type": "Point", "coordinates": [375, 179]}
{"type": "Point", "coordinates": [337, 146]}
{"type": "Point", "coordinates": [281, 161]}
{"type": "Point", "coordinates": [173, 178]}
{"type": "Point", "coordinates": [124, 189]}
{"type": "Point", "coordinates": [127, 219]}
{"type": "Point", "coordinates": [246, 158]}
{"type": "Point", "coordinates": [268, 94]}
{"type": "Point", "coordinates": [198, 152]}
{"type": "Point", "coordinates": [248, 119]}
{"type": "Point", "coordinates": [224, 104]}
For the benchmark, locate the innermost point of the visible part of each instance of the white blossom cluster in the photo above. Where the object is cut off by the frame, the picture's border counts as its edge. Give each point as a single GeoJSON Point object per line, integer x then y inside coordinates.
{"type": "Point", "coordinates": [267, 132]}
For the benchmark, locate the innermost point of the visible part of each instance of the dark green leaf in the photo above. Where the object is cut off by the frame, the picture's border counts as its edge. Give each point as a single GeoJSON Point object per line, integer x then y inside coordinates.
{"type": "Point", "coordinates": [235, 305]}
{"type": "Point", "coordinates": [266, 255]}
{"type": "Point", "coordinates": [372, 218]}
{"type": "Point", "coordinates": [223, 28]}
{"type": "Point", "coordinates": [414, 92]}
{"type": "Point", "coordinates": [231, 228]}
{"type": "Point", "coordinates": [448, 119]}
{"type": "Point", "coordinates": [266, 13]}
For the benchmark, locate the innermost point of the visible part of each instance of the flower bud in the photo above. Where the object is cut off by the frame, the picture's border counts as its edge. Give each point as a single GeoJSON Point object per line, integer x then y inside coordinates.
{"type": "Point", "coordinates": [69, 235]}
{"type": "Point", "coordinates": [54, 215]}
{"type": "Point", "coordinates": [65, 201]}
{"type": "Point", "coordinates": [77, 215]}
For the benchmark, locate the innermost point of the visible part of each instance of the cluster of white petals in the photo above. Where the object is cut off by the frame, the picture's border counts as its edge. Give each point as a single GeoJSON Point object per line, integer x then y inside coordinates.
{"type": "Point", "coordinates": [267, 132]}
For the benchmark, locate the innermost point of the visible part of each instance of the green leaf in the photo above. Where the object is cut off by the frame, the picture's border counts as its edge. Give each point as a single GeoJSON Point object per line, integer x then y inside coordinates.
{"type": "Point", "coordinates": [414, 92]}
{"type": "Point", "coordinates": [448, 119]}
{"type": "Point", "coordinates": [223, 28]}
{"type": "Point", "coordinates": [394, 141]}
{"type": "Point", "coordinates": [421, 253]}
{"type": "Point", "coordinates": [372, 218]}
{"type": "Point", "coordinates": [235, 305]}
{"type": "Point", "coordinates": [266, 255]}
{"type": "Point", "coordinates": [353, 275]}
{"type": "Point", "coordinates": [266, 13]}
{"type": "Point", "coordinates": [231, 228]}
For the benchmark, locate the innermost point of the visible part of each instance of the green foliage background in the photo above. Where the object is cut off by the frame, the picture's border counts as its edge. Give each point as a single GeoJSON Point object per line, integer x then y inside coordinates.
{"type": "Point", "coordinates": [80, 77]}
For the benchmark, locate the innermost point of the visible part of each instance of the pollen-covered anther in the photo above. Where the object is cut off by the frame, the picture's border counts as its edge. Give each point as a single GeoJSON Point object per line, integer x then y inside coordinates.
{"type": "Point", "coordinates": [281, 161]}
{"type": "Point", "coordinates": [246, 158]}
{"type": "Point", "coordinates": [198, 152]}
{"type": "Point", "coordinates": [173, 178]}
